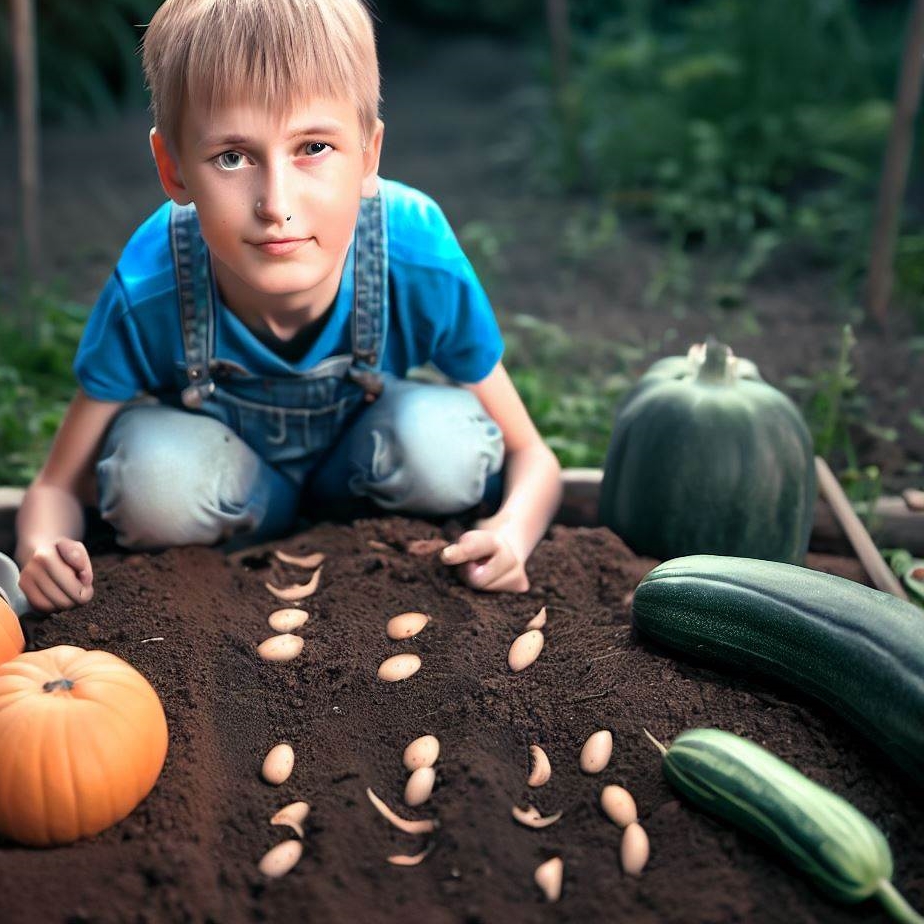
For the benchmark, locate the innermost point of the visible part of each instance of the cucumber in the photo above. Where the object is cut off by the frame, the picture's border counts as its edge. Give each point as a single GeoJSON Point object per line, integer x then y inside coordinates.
{"type": "Point", "coordinates": [843, 852]}
{"type": "Point", "coordinates": [857, 649]}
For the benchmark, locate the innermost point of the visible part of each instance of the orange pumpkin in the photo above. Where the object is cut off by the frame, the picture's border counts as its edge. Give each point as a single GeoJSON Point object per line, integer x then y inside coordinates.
{"type": "Point", "coordinates": [12, 640]}
{"type": "Point", "coordinates": [83, 738]}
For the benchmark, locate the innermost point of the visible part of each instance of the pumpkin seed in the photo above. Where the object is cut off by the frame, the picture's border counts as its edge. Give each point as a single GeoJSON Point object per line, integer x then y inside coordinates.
{"type": "Point", "coordinates": [548, 877]}
{"type": "Point", "coordinates": [542, 769]}
{"type": "Point", "coordinates": [287, 619]}
{"type": "Point", "coordinates": [406, 625]}
{"type": "Point", "coordinates": [399, 667]}
{"type": "Point", "coordinates": [425, 826]}
{"type": "Point", "coordinates": [525, 649]}
{"type": "Point", "coordinates": [634, 849]}
{"type": "Point", "coordinates": [619, 805]}
{"type": "Point", "coordinates": [538, 621]}
{"type": "Point", "coordinates": [532, 819]}
{"type": "Point", "coordinates": [309, 562]}
{"type": "Point", "coordinates": [293, 815]}
{"type": "Point", "coordinates": [296, 591]}
{"type": "Point", "coordinates": [278, 764]}
{"type": "Point", "coordinates": [400, 859]}
{"type": "Point", "coordinates": [278, 860]}
{"type": "Point", "coordinates": [597, 750]}
{"type": "Point", "coordinates": [422, 752]}
{"type": "Point", "coordinates": [281, 647]}
{"type": "Point", "coordinates": [419, 786]}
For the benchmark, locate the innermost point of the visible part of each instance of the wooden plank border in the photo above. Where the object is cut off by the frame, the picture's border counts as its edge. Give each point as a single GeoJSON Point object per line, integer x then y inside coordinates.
{"type": "Point", "coordinates": [894, 525]}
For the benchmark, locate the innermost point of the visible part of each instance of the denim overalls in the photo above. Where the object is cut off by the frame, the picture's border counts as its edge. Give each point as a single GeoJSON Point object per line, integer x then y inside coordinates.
{"type": "Point", "coordinates": [288, 421]}
{"type": "Point", "coordinates": [232, 452]}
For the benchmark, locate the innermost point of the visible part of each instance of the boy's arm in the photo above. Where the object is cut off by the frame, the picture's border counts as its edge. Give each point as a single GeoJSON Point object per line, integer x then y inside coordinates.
{"type": "Point", "coordinates": [56, 570]}
{"type": "Point", "coordinates": [494, 555]}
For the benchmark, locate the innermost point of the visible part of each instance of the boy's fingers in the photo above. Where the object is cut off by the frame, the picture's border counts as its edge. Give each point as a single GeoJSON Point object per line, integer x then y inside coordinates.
{"type": "Point", "coordinates": [475, 544]}
{"type": "Point", "coordinates": [494, 574]}
{"type": "Point", "coordinates": [37, 600]}
{"type": "Point", "coordinates": [58, 598]}
{"type": "Point", "coordinates": [512, 581]}
{"type": "Point", "coordinates": [62, 576]}
{"type": "Point", "coordinates": [76, 555]}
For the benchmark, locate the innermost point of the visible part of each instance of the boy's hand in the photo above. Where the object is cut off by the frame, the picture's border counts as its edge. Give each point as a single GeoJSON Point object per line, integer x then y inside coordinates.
{"type": "Point", "coordinates": [58, 576]}
{"type": "Point", "coordinates": [488, 562]}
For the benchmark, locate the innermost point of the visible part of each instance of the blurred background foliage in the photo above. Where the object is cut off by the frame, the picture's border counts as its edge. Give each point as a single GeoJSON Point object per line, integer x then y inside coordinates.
{"type": "Point", "coordinates": [731, 122]}
{"type": "Point", "coordinates": [730, 126]}
{"type": "Point", "coordinates": [726, 121]}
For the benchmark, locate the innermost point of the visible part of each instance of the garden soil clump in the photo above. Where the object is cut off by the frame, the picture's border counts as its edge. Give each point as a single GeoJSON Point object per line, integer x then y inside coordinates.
{"type": "Point", "coordinates": [190, 620]}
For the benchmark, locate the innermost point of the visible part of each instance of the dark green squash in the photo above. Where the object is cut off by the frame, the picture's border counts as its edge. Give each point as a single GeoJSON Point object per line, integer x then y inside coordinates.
{"type": "Point", "coordinates": [706, 457]}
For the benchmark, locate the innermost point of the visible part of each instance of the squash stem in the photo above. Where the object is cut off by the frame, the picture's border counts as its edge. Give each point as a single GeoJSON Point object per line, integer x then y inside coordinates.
{"type": "Point", "coordinates": [716, 364]}
{"type": "Point", "coordinates": [655, 742]}
{"type": "Point", "coordinates": [897, 907]}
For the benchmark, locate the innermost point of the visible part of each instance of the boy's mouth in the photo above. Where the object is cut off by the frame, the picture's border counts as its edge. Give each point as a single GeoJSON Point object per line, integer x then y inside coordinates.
{"type": "Point", "coordinates": [280, 247]}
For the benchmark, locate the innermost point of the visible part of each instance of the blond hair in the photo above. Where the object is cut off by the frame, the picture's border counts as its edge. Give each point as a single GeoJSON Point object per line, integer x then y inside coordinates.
{"type": "Point", "coordinates": [272, 53]}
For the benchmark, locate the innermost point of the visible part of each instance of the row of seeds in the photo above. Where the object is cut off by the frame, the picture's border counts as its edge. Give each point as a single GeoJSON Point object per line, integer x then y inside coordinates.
{"type": "Point", "coordinates": [421, 754]}
{"type": "Point", "coordinates": [616, 802]}
{"type": "Point", "coordinates": [280, 761]}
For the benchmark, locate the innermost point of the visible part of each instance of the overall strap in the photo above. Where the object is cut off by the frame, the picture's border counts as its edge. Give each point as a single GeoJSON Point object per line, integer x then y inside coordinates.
{"type": "Point", "coordinates": [370, 298]}
{"type": "Point", "coordinates": [194, 288]}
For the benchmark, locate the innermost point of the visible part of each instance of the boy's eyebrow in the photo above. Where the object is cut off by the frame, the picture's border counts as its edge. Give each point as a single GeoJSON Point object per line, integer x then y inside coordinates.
{"type": "Point", "coordinates": [319, 128]}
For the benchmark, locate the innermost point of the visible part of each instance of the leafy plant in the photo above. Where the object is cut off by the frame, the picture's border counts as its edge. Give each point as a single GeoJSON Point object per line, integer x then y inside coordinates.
{"type": "Point", "coordinates": [570, 386]}
{"type": "Point", "coordinates": [734, 124]}
{"type": "Point", "coordinates": [36, 382]}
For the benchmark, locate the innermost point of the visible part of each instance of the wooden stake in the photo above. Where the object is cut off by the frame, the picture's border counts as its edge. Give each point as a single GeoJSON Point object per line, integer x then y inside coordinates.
{"type": "Point", "coordinates": [556, 12]}
{"type": "Point", "coordinates": [22, 22]}
{"type": "Point", "coordinates": [880, 573]}
{"type": "Point", "coordinates": [895, 169]}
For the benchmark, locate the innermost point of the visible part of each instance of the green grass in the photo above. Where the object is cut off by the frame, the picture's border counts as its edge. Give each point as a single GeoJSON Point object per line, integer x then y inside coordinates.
{"type": "Point", "coordinates": [36, 382]}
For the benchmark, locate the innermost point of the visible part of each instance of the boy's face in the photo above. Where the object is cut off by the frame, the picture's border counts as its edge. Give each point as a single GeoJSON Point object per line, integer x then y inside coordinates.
{"type": "Point", "coordinates": [256, 178]}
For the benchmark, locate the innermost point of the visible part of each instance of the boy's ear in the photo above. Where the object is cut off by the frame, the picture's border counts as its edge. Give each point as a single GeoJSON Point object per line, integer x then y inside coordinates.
{"type": "Point", "coordinates": [371, 160]}
{"type": "Point", "coordinates": [171, 178]}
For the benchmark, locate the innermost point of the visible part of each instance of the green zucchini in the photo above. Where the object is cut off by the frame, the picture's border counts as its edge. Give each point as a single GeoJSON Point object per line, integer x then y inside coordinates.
{"type": "Point", "coordinates": [857, 649]}
{"type": "Point", "coordinates": [821, 833]}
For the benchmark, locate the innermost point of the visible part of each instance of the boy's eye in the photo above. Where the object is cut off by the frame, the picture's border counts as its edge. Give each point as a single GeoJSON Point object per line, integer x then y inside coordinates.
{"type": "Point", "coordinates": [226, 160]}
{"type": "Point", "coordinates": [232, 160]}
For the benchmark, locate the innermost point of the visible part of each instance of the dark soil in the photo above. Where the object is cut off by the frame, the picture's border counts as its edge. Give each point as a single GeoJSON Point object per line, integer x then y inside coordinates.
{"type": "Point", "coordinates": [189, 853]}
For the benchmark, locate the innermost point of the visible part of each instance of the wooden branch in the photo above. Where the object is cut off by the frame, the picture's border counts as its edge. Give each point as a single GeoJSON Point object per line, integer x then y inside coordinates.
{"type": "Point", "coordinates": [895, 170]}
{"type": "Point", "coordinates": [22, 22]}
{"type": "Point", "coordinates": [880, 573]}
{"type": "Point", "coordinates": [560, 33]}
{"type": "Point", "coordinates": [896, 522]}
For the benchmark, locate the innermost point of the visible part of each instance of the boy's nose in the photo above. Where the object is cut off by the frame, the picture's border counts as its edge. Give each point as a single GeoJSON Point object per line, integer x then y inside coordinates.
{"type": "Point", "coordinates": [269, 214]}
{"type": "Point", "coordinates": [274, 199]}
{"type": "Point", "coordinates": [269, 211]}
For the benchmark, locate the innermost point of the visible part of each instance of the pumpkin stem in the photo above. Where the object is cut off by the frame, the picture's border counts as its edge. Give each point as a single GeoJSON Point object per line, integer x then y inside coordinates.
{"type": "Point", "coordinates": [716, 366]}
{"type": "Point", "coordinates": [62, 684]}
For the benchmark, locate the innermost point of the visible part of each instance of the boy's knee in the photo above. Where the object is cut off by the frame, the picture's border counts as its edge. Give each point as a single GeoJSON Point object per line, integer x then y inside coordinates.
{"type": "Point", "coordinates": [167, 477]}
{"type": "Point", "coordinates": [434, 452]}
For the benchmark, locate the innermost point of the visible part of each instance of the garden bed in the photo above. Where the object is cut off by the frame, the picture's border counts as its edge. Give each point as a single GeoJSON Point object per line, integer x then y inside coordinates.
{"type": "Point", "coordinates": [190, 621]}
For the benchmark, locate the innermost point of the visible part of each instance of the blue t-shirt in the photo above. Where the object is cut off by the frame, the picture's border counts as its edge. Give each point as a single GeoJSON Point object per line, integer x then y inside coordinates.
{"type": "Point", "coordinates": [438, 311]}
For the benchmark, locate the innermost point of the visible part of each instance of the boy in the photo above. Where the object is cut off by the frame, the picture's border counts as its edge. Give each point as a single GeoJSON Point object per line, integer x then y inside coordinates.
{"type": "Point", "coordinates": [247, 358]}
